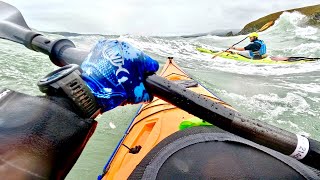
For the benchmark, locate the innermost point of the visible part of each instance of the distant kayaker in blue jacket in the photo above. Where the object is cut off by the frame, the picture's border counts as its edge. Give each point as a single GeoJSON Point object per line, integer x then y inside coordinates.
{"type": "Point", "coordinates": [255, 50]}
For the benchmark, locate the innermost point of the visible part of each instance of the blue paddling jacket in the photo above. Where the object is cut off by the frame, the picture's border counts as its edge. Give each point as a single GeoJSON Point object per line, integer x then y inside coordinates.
{"type": "Point", "coordinates": [256, 49]}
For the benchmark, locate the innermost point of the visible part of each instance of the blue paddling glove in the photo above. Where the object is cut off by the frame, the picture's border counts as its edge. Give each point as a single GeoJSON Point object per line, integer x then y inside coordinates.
{"type": "Point", "coordinates": [115, 71]}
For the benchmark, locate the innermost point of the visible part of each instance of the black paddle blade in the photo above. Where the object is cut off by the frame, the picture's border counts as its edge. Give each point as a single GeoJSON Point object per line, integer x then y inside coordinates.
{"type": "Point", "coordinates": [11, 14]}
{"type": "Point", "coordinates": [293, 59]}
{"type": "Point", "coordinates": [13, 27]}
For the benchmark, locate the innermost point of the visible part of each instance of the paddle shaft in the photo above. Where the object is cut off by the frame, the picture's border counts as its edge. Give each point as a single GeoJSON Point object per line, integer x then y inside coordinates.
{"type": "Point", "coordinates": [63, 51]}
{"type": "Point", "coordinates": [230, 120]}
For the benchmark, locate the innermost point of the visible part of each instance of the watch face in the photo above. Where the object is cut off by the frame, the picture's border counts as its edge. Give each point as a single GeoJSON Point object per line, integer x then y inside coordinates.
{"type": "Point", "coordinates": [55, 76]}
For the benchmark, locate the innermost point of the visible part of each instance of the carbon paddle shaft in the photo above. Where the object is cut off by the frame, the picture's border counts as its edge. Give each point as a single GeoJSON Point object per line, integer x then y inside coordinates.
{"type": "Point", "coordinates": [230, 120]}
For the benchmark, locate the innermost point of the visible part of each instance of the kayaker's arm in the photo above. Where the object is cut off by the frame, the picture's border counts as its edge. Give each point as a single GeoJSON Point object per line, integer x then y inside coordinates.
{"type": "Point", "coordinates": [249, 47]}
{"type": "Point", "coordinates": [237, 48]}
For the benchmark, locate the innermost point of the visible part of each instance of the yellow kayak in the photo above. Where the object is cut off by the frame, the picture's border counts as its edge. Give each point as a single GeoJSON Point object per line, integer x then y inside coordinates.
{"type": "Point", "coordinates": [267, 60]}
{"type": "Point", "coordinates": [166, 142]}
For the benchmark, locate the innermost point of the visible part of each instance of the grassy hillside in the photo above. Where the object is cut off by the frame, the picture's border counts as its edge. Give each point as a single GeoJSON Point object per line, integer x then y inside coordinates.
{"type": "Point", "coordinates": [312, 11]}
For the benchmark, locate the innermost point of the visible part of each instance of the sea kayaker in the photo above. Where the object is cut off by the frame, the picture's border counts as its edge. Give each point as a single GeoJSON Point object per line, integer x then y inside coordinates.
{"type": "Point", "coordinates": [255, 50]}
{"type": "Point", "coordinates": [41, 137]}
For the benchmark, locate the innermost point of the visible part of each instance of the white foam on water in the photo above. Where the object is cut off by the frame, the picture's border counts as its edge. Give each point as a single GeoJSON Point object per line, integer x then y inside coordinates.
{"type": "Point", "coordinates": [311, 88]}
{"type": "Point", "coordinates": [112, 125]}
{"type": "Point", "coordinates": [272, 105]}
{"type": "Point", "coordinates": [315, 99]}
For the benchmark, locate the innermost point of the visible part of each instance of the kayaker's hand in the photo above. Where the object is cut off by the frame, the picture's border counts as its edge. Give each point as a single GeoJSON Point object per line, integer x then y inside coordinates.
{"type": "Point", "coordinates": [40, 137]}
{"type": "Point", "coordinates": [115, 72]}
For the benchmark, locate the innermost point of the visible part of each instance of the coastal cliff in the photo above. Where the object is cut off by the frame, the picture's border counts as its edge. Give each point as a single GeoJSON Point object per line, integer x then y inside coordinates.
{"type": "Point", "coordinates": [313, 12]}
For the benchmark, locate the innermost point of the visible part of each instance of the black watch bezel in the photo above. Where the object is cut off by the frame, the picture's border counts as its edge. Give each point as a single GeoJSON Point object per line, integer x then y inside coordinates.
{"type": "Point", "coordinates": [67, 81]}
{"type": "Point", "coordinates": [70, 68]}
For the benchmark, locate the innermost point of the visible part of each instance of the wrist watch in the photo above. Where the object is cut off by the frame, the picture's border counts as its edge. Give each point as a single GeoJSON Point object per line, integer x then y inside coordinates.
{"type": "Point", "coordinates": [66, 81]}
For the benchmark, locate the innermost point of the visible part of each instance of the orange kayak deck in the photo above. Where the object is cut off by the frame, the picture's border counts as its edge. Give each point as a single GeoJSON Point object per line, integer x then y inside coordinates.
{"type": "Point", "coordinates": [153, 122]}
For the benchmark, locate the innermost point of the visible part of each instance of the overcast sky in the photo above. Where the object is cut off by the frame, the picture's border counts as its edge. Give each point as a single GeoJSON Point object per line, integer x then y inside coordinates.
{"type": "Point", "coordinates": [147, 17]}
